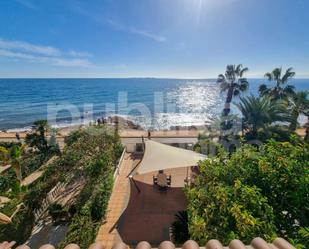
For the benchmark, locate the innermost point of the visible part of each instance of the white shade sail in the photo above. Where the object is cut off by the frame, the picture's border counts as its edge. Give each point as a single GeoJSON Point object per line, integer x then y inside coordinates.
{"type": "Point", "coordinates": [159, 156]}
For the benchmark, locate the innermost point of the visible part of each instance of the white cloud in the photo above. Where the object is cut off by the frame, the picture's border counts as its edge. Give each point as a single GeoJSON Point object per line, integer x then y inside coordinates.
{"type": "Point", "coordinates": [74, 53]}
{"type": "Point", "coordinates": [154, 37]}
{"type": "Point", "coordinates": [121, 27]}
{"type": "Point", "coordinates": [43, 54]}
{"type": "Point", "coordinates": [70, 62]}
{"type": "Point", "coordinates": [117, 25]}
{"type": "Point", "coordinates": [8, 53]}
{"type": "Point", "coordinates": [27, 47]}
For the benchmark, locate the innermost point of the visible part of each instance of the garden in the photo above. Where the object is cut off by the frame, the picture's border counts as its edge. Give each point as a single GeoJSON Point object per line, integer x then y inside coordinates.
{"type": "Point", "coordinates": [260, 187]}
{"type": "Point", "coordinates": [89, 156]}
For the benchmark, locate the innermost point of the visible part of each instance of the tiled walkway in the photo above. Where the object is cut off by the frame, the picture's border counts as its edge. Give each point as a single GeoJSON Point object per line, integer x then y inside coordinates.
{"type": "Point", "coordinates": [150, 214]}
{"type": "Point", "coordinates": [117, 204]}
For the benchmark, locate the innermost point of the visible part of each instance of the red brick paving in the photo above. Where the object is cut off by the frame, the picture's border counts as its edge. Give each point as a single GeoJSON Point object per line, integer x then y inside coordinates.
{"type": "Point", "coordinates": [134, 216]}
{"type": "Point", "coordinates": [149, 214]}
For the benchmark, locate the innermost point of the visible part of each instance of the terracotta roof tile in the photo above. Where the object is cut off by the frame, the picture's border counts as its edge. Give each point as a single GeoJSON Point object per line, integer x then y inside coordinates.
{"type": "Point", "coordinates": [96, 245]}
{"type": "Point", "coordinates": [282, 244]}
{"type": "Point", "coordinates": [213, 244]}
{"type": "Point", "coordinates": [23, 247]}
{"type": "Point", "coordinates": [190, 244]}
{"type": "Point", "coordinates": [47, 246]}
{"type": "Point", "coordinates": [236, 244]}
{"type": "Point", "coordinates": [72, 246]}
{"type": "Point", "coordinates": [143, 245]}
{"type": "Point", "coordinates": [166, 245]}
{"type": "Point", "coordinates": [7, 245]}
{"type": "Point", "coordinates": [257, 243]}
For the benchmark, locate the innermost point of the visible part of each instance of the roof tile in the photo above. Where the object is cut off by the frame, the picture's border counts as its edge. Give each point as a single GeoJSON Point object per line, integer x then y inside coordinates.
{"type": "Point", "coordinates": [257, 243]}
{"type": "Point", "coordinates": [143, 245]}
{"type": "Point", "coordinates": [214, 244]}
{"type": "Point", "coordinates": [190, 244]}
{"type": "Point", "coordinates": [72, 246]}
{"type": "Point", "coordinates": [236, 244]}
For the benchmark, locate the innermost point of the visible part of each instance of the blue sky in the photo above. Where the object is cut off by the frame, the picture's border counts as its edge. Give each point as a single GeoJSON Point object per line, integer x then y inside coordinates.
{"type": "Point", "coordinates": [151, 38]}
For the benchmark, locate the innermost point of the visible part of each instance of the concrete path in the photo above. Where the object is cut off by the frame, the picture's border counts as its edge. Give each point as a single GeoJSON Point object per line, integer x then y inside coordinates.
{"type": "Point", "coordinates": [4, 168]}
{"type": "Point", "coordinates": [32, 177]}
{"type": "Point", "coordinates": [4, 199]}
{"type": "Point", "coordinates": [38, 173]}
{"type": "Point", "coordinates": [108, 233]}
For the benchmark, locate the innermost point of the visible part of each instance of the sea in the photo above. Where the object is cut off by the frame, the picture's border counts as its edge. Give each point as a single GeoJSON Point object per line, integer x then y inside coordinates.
{"type": "Point", "coordinates": [150, 102]}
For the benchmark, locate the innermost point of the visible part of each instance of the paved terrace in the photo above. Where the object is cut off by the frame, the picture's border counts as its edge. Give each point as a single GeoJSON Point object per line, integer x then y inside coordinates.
{"type": "Point", "coordinates": [130, 212]}
{"type": "Point", "coordinates": [149, 214]}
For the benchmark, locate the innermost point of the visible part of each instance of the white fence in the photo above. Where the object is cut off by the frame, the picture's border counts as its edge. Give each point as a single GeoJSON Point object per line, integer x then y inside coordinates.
{"type": "Point", "coordinates": [117, 169]}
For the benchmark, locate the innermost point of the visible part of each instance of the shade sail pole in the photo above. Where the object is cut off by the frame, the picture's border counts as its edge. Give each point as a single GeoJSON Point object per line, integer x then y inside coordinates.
{"type": "Point", "coordinates": [135, 184]}
{"type": "Point", "coordinates": [144, 148]}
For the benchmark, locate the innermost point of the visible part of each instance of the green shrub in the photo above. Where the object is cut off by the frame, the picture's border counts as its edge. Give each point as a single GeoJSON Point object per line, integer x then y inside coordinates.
{"type": "Point", "coordinates": [251, 193]}
{"type": "Point", "coordinates": [7, 180]}
{"type": "Point", "coordinates": [82, 230]}
{"type": "Point", "coordinates": [180, 228]}
{"type": "Point", "coordinates": [8, 145]}
{"type": "Point", "coordinates": [57, 212]}
{"type": "Point", "coordinates": [93, 154]}
{"type": "Point", "coordinates": [20, 229]}
{"type": "Point", "coordinates": [72, 137]}
{"type": "Point", "coordinates": [101, 197]}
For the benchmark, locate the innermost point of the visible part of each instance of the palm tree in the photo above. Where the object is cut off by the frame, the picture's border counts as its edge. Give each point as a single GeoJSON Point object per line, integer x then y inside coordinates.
{"type": "Point", "coordinates": [259, 113]}
{"type": "Point", "coordinates": [234, 83]}
{"type": "Point", "coordinates": [12, 156]}
{"type": "Point", "coordinates": [299, 105]}
{"type": "Point", "coordinates": [37, 137]}
{"type": "Point", "coordinates": [279, 91]}
{"type": "Point", "coordinates": [15, 155]}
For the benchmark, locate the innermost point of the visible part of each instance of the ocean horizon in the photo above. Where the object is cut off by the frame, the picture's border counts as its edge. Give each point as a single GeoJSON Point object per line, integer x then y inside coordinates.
{"type": "Point", "coordinates": [157, 103]}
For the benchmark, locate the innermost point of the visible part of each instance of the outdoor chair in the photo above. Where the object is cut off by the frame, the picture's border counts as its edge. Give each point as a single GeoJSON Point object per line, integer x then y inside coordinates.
{"type": "Point", "coordinates": [155, 180]}
{"type": "Point", "coordinates": [169, 181]}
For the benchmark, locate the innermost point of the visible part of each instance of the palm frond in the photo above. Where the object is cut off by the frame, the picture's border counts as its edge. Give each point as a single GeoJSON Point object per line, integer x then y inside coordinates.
{"type": "Point", "coordinates": [238, 69]}
{"type": "Point", "coordinates": [236, 92]}
{"type": "Point", "coordinates": [263, 89]}
{"type": "Point", "coordinates": [221, 78]}
{"type": "Point", "coordinates": [244, 70]}
{"type": "Point", "coordinates": [277, 73]}
{"type": "Point", "coordinates": [261, 112]}
{"type": "Point", "coordinates": [243, 84]}
{"type": "Point", "coordinates": [289, 74]}
{"type": "Point", "coordinates": [269, 76]}
{"type": "Point", "coordinates": [289, 90]}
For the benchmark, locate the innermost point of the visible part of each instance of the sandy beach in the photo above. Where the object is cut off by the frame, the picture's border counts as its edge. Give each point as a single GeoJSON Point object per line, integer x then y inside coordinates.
{"type": "Point", "coordinates": [123, 133]}
{"type": "Point", "coordinates": [11, 136]}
